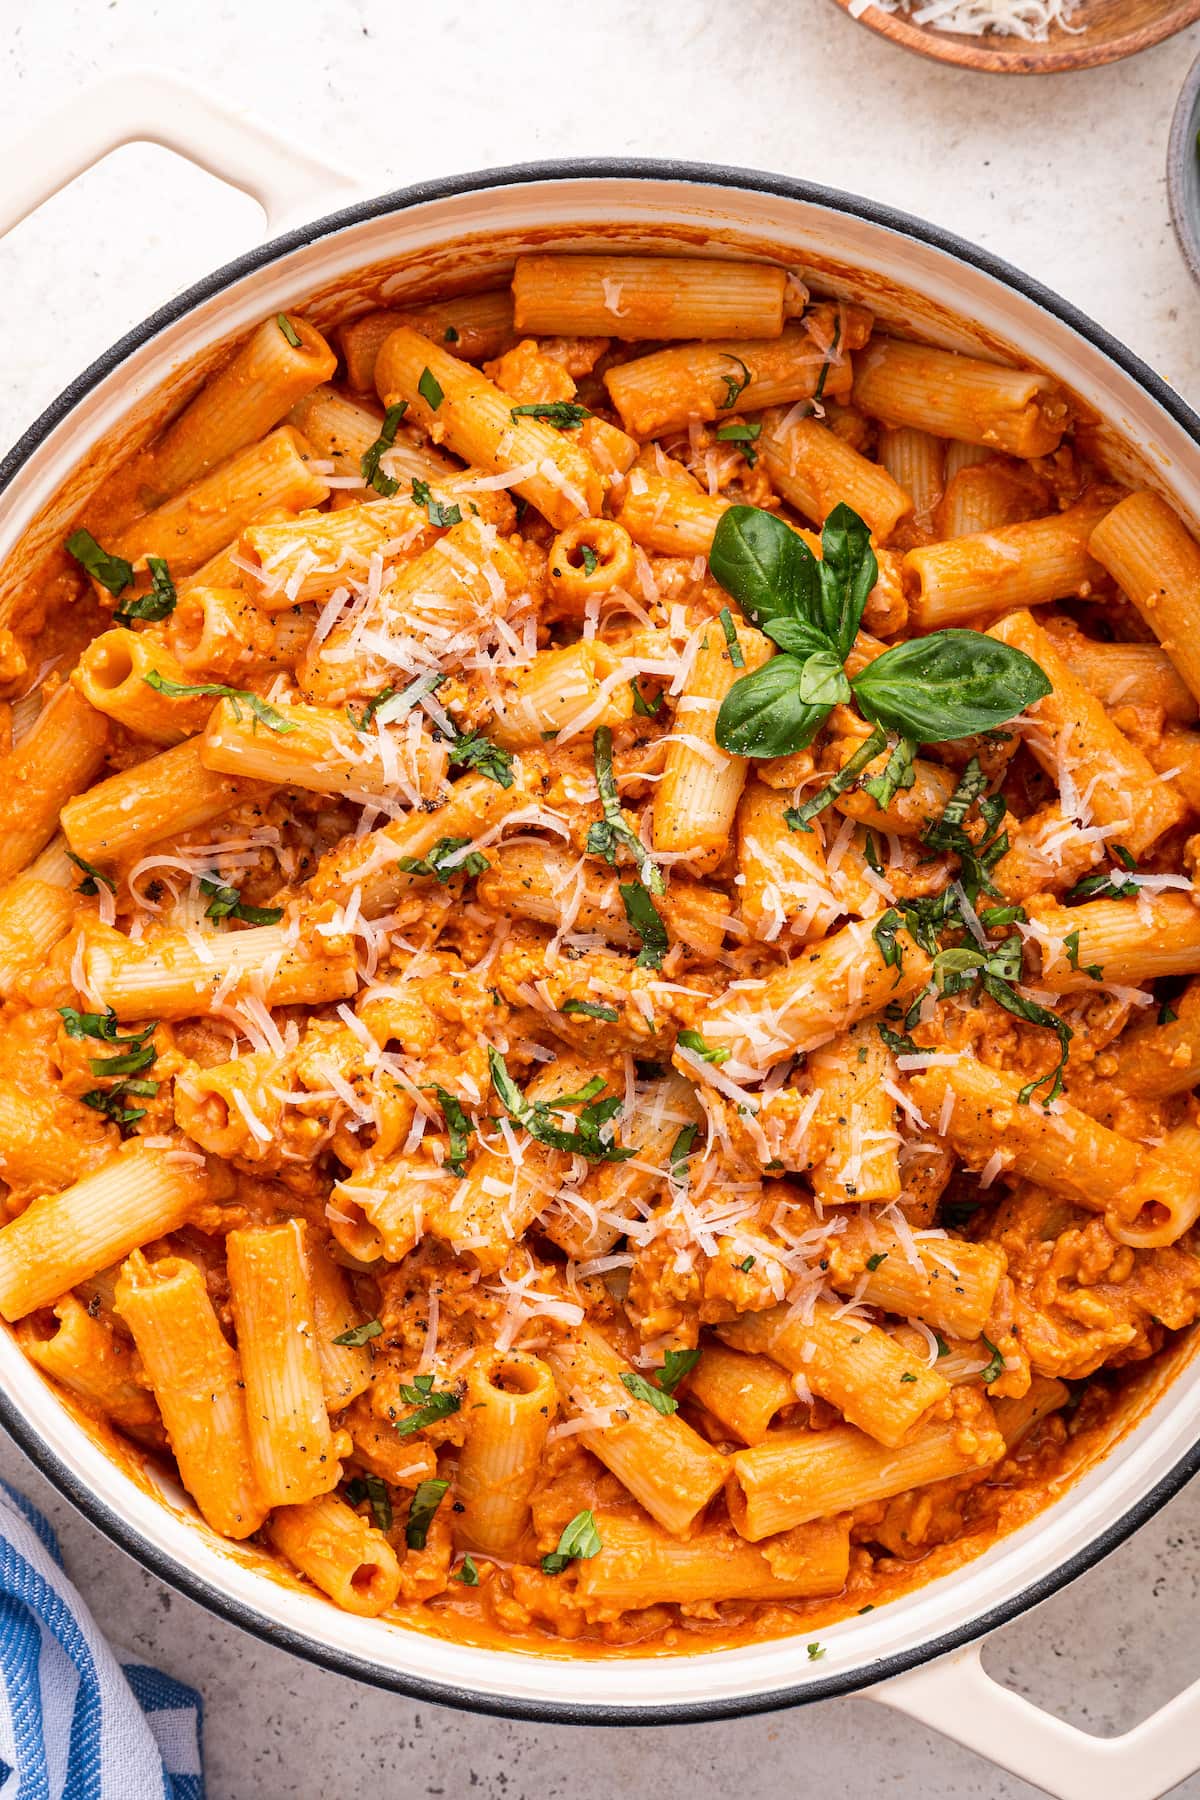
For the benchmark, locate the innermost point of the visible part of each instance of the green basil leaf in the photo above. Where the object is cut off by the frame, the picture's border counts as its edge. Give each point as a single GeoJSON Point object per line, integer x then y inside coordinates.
{"type": "Point", "coordinates": [763, 714]}
{"type": "Point", "coordinates": [237, 697]}
{"type": "Point", "coordinates": [158, 604]}
{"type": "Point", "coordinates": [823, 680]}
{"type": "Point", "coordinates": [427, 1497]}
{"type": "Point", "coordinates": [226, 903]}
{"type": "Point", "coordinates": [358, 1335]}
{"type": "Point", "coordinates": [951, 684]}
{"type": "Point", "coordinates": [799, 637]}
{"type": "Point", "coordinates": [899, 772]}
{"type": "Point", "coordinates": [676, 1363]}
{"type": "Point", "coordinates": [369, 462]}
{"type": "Point", "coordinates": [796, 818]}
{"type": "Point", "coordinates": [459, 1126]}
{"type": "Point", "coordinates": [847, 573]}
{"type": "Point", "coordinates": [579, 1539]}
{"type": "Point", "coordinates": [563, 413]}
{"type": "Point", "coordinates": [641, 1389]}
{"type": "Point", "coordinates": [731, 638]}
{"type": "Point", "coordinates": [645, 918]}
{"type": "Point", "coordinates": [92, 876]}
{"type": "Point", "coordinates": [430, 389]}
{"type": "Point", "coordinates": [995, 1367]}
{"type": "Point", "coordinates": [734, 388]}
{"type": "Point", "coordinates": [699, 1046]}
{"type": "Point", "coordinates": [765, 566]}
{"type": "Point", "coordinates": [112, 572]}
{"type": "Point", "coordinates": [445, 861]}
{"type": "Point", "coordinates": [429, 1409]}
{"type": "Point", "coordinates": [677, 1162]}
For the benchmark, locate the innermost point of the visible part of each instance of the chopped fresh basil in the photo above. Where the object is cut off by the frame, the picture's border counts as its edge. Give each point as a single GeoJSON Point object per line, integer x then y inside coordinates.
{"type": "Point", "coordinates": [676, 1364]}
{"type": "Point", "coordinates": [977, 860]}
{"type": "Point", "coordinates": [427, 1497]}
{"type": "Point", "coordinates": [468, 1574]}
{"type": "Point", "coordinates": [565, 414]}
{"type": "Point", "coordinates": [641, 1389]}
{"type": "Point", "coordinates": [747, 1263]}
{"type": "Point", "coordinates": [731, 638]}
{"type": "Point", "coordinates": [884, 933]}
{"type": "Point", "coordinates": [734, 387]}
{"type": "Point", "coordinates": [1103, 886]}
{"type": "Point", "coordinates": [103, 1025]}
{"type": "Point", "coordinates": [589, 559]}
{"type": "Point", "coordinates": [94, 878]}
{"type": "Point", "coordinates": [430, 389]}
{"type": "Point", "coordinates": [604, 836]}
{"type": "Point", "coordinates": [437, 512]}
{"type": "Point", "coordinates": [158, 604]}
{"type": "Point", "coordinates": [459, 1126]}
{"type": "Point", "coordinates": [111, 1101]}
{"type": "Point", "coordinates": [237, 698]}
{"type": "Point", "coordinates": [288, 329]}
{"type": "Point", "coordinates": [369, 463]}
{"type": "Point", "coordinates": [362, 720]}
{"type": "Point", "coordinates": [817, 1651]}
{"type": "Point", "coordinates": [132, 1062]}
{"type": "Point", "coordinates": [112, 572]}
{"type": "Point", "coordinates": [680, 1150]}
{"type": "Point", "coordinates": [372, 1488]}
{"type": "Point", "coordinates": [590, 1009]}
{"type": "Point", "coordinates": [744, 434]}
{"type": "Point", "coordinates": [995, 1367]}
{"type": "Point", "coordinates": [1167, 1014]}
{"type": "Point", "coordinates": [358, 1335]}
{"type": "Point", "coordinates": [797, 818]}
{"type": "Point", "coordinates": [445, 861]}
{"type": "Point", "coordinates": [873, 1262]}
{"type": "Point", "coordinates": [475, 751]}
{"type": "Point", "coordinates": [709, 1053]}
{"type": "Point", "coordinates": [590, 1132]}
{"type": "Point", "coordinates": [644, 918]}
{"type": "Point", "coordinates": [645, 708]}
{"type": "Point", "coordinates": [227, 903]}
{"type": "Point", "coordinates": [430, 1406]}
{"type": "Point", "coordinates": [579, 1541]}
{"type": "Point", "coordinates": [1071, 945]}
{"type": "Point", "coordinates": [898, 772]}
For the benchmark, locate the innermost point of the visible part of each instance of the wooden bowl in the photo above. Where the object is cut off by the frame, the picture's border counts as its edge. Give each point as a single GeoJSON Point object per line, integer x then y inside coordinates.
{"type": "Point", "coordinates": [1110, 30]}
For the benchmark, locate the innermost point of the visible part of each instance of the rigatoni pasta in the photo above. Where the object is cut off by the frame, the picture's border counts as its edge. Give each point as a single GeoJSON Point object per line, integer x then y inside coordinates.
{"type": "Point", "coordinates": [588, 1062]}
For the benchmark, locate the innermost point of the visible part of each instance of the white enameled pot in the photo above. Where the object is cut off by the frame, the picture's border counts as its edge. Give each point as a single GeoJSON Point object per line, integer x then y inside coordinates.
{"type": "Point", "coordinates": [919, 1654]}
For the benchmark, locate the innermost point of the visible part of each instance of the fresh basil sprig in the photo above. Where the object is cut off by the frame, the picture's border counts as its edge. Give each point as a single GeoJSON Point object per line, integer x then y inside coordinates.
{"type": "Point", "coordinates": [950, 684]}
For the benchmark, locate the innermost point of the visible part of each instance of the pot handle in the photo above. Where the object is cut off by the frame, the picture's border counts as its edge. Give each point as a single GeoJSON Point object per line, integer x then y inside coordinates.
{"type": "Point", "coordinates": [957, 1697]}
{"type": "Point", "coordinates": [145, 106]}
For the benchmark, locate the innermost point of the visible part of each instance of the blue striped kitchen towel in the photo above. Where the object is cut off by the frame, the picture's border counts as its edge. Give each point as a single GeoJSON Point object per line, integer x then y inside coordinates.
{"type": "Point", "coordinates": [75, 1724]}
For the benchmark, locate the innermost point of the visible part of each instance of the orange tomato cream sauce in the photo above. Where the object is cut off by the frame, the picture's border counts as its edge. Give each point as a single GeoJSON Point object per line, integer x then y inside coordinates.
{"type": "Point", "coordinates": [599, 952]}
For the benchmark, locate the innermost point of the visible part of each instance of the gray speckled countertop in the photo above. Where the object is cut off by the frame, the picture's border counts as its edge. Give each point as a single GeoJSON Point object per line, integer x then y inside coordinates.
{"type": "Point", "coordinates": [1063, 176]}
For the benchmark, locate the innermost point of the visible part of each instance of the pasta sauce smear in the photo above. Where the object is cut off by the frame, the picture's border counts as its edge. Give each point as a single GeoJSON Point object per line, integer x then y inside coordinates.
{"type": "Point", "coordinates": [598, 946]}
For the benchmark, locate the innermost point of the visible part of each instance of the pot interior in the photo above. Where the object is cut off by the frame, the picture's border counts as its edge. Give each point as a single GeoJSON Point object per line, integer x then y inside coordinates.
{"type": "Point", "coordinates": [461, 236]}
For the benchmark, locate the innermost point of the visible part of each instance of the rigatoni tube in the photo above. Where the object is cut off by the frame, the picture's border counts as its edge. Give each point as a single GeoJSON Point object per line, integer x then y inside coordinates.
{"type": "Point", "coordinates": [196, 1377]}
